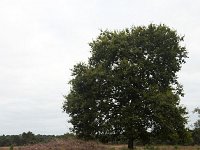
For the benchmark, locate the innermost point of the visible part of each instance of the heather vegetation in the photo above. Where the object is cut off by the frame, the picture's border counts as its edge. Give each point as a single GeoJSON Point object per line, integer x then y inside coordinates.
{"type": "Point", "coordinates": [65, 144]}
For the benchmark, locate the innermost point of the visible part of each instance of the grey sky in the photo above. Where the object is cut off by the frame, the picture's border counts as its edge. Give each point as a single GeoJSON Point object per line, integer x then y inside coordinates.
{"type": "Point", "coordinates": [41, 40]}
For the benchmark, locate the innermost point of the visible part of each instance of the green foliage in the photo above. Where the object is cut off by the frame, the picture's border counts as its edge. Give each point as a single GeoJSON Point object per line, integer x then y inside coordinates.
{"type": "Point", "coordinates": [196, 136]}
{"type": "Point", "coordinates": [11, 147]}
{"type": "Point", "coordinates": [176, 147]}
{"type": "Point", "coordinates": [28, 137]}
{"type": "Point", "coordinates": [197, 123]}
{"type": "Point", "coordinates": [129, 87]}
{"type": "Point", "coordinates": [196, 130]}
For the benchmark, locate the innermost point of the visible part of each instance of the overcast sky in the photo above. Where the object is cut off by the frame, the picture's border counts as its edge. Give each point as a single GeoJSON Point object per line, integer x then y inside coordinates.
{"type": "Point", "coordinates": [41, 40]}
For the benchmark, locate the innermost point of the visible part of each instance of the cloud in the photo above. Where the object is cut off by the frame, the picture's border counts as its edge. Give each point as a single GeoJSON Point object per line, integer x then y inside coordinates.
{"type": "Point", "coordinates": [41, 40]}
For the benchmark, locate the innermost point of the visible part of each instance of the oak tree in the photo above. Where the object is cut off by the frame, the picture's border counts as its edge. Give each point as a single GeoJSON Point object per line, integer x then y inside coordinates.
{"type": "Point", "coordinates": [129, 86]}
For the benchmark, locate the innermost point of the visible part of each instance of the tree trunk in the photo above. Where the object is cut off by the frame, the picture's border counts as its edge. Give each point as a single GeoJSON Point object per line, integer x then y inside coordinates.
{"type": "Point", "coordinates": [130, 143]}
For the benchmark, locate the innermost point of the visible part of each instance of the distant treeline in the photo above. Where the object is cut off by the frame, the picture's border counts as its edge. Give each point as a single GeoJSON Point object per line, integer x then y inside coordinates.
{"type": "Point", "coordinates": [28, 138]}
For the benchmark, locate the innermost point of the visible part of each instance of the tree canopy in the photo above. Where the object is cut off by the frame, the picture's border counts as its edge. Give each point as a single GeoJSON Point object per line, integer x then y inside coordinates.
{"type": "Point", "coordinates": [129, 86]}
